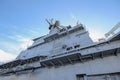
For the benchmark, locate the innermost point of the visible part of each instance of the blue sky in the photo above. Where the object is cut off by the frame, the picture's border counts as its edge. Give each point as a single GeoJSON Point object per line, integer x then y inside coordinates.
{"type": "Point", "coordinates": [22, 20]}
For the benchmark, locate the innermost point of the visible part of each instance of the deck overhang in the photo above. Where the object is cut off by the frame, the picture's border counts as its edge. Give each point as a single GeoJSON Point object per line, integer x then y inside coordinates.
{"type": "Point", "coordinates": [77, 57]}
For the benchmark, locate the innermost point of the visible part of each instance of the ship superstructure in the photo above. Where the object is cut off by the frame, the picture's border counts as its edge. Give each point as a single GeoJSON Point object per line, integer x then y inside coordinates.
{"type": "Point", "coordinates": [66, 53]}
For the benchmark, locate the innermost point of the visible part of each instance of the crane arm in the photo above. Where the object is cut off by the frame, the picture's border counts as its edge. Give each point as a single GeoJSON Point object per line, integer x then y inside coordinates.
{"type": "Point", "coordinates": [111, 32]}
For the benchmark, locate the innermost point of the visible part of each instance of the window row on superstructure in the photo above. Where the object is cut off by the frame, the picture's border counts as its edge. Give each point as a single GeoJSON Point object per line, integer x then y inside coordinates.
{"type": "Point", "coordinates": [58, 35]}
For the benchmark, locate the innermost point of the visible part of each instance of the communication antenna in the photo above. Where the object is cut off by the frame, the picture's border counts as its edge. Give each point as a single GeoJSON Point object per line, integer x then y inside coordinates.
{"type": "Point", "coordinates": [77, 22]}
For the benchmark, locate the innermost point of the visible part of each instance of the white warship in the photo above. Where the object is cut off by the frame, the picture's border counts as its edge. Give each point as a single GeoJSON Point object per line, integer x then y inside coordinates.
{"type": "Point", "coordinates": [67, 53]}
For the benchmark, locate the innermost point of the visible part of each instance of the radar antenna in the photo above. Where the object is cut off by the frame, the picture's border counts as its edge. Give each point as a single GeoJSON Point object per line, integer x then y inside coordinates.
{"type": "Point", "coordinates": [50, 22]}
{"type": "Point", "coordinates": [111, 32]}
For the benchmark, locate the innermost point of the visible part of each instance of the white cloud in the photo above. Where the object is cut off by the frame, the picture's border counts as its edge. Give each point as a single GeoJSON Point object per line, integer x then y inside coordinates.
{"type": "Point", "coordinates": [6, 57]}
{"type": "Point", "coordinates": [14, 48]}
{"type": "Point", "coordinates": [96, 34]}
{"type": "Point", "coordinates": [25, 44]}
{"type": "Point", "coordinates": [34, 32]}
{"type": "Point", "coordinates": [24, 41]}
{"type": "Point", "coordinates": [18, 38]}
{"type": "Point", "coordinates": [22, 44]}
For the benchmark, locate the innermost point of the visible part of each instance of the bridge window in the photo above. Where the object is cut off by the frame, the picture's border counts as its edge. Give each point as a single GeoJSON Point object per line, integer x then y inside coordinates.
{"type": "Point", "coordinates": [69, 48]}
{"type": "Point", "coordinates": [76, 46]}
